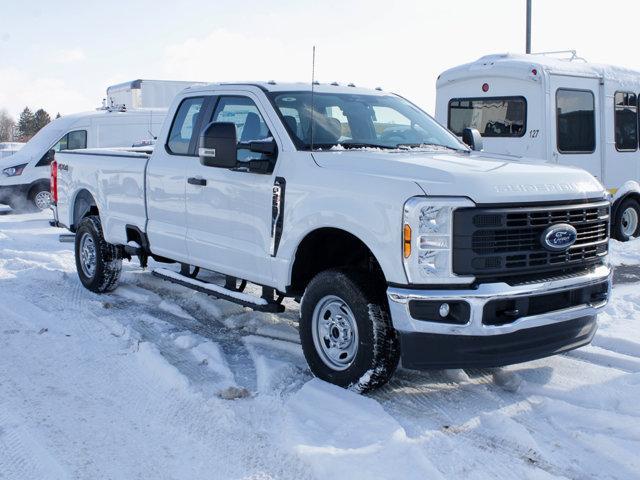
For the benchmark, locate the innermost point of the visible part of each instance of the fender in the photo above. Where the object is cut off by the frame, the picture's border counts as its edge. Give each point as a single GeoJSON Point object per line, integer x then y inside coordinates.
{"type": "Point", "coordinates": [285, 268]}
{"type": "Point", "coordinates": [629, 188]}
{"type": "Point", "coordinates": [83, 204]}
{"type": "Point", "coordinates": [36, 183]}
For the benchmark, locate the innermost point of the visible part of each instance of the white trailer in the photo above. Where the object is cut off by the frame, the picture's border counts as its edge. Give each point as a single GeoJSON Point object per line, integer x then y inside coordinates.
{"type": "Point", "coordinates": [145, 93]}
{"type": "Point", "coordinates": [564, 111]}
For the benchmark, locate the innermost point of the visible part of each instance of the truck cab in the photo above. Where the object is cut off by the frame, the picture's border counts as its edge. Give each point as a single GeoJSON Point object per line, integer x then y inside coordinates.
{"type": "Point", "coordinates": [398, 240]}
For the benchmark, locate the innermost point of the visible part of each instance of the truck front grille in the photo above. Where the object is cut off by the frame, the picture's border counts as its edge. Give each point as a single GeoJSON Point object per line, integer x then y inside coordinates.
{"type": "Point", "coordinates": [500, 242]}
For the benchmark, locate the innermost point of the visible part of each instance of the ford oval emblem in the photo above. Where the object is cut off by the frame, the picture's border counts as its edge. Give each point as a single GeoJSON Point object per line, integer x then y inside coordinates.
{"type": "Point", "coordinates": [559, 237]}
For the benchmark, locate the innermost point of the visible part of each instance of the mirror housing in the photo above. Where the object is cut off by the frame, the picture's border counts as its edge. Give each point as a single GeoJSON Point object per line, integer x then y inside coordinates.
{"type": "Point", "coordinates": [47, 158]}
{"type": "Point", "coordinates": [218, 145]}
{"type": "Point", "coordinates": [472, 138]}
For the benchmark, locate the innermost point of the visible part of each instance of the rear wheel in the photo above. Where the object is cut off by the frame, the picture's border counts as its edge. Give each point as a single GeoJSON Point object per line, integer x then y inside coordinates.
{"type": "Point", "coordinates": [627, 220]}
{"type": "Point", "coordinates": [98, 263]}
{"type": "Point", "coordinates": [345, 331]}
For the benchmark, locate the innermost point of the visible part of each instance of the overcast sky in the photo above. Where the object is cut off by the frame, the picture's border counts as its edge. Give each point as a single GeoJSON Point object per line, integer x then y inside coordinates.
{"type": "Point", "coordinates": [62, 55]}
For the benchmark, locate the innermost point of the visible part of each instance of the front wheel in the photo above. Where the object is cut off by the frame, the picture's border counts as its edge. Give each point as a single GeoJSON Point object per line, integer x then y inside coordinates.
{"type": "Point", "coordinates": [98, 263]}
{"type": "Point", "coordinates": [345, 331]}
{"type": "Point", "coordinates": [40, 198]}
{"type": "Point", "coordinates": [626, 223]}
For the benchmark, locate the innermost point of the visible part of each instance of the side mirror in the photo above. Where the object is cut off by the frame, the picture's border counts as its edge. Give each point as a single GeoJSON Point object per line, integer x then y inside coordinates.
{"type": "Point", "coordinates": [472, 137]}
{"type": "Point", "coordinates": [218, 145]}
{"type": "Point", "coordinates": [47, 158]}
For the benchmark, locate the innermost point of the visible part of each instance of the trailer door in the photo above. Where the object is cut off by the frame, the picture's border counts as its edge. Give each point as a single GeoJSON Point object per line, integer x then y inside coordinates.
{"type": "Point", "coordinates": [575, 129]}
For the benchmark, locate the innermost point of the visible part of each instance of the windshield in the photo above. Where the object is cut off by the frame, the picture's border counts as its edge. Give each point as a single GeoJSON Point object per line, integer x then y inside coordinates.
{"type": "Point", "coordinates": [356, 121]}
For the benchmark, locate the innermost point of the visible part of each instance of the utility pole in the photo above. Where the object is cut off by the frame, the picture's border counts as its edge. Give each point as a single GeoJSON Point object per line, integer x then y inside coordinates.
{"type": "Point", "coordinates": [528, 26]}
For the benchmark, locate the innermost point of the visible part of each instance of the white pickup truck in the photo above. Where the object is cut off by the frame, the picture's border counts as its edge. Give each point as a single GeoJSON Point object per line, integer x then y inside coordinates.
{"type": "Point", "coordinates": [400, 241]}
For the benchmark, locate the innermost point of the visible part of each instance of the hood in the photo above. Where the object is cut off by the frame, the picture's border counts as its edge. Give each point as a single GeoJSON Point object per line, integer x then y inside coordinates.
{"type": "Point", "coordinates": [481, 177]}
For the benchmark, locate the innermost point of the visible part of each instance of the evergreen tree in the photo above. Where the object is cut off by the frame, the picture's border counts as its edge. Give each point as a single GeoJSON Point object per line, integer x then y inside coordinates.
{"type": "Point", "coordinates": [58, 115]}
{"type": "Point", "coordinates": [26, 124]}
{"type": "Point", "coordinates": [41, 118]}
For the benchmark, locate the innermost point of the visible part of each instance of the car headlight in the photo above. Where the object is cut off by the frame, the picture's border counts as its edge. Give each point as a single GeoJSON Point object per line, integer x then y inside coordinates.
{"type": "Point", "coordinates": [428, 239]}
{"type": "Point", "coordinates": [14, 171]}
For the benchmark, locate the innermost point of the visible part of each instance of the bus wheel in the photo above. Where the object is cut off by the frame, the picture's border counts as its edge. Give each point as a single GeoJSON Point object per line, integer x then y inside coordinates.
{"type": "Point", "coordinates": [627, 220]}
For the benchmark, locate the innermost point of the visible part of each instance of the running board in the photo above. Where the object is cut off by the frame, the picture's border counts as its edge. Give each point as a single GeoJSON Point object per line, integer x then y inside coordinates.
{"type": "Point", "coordinates": [255, 303]}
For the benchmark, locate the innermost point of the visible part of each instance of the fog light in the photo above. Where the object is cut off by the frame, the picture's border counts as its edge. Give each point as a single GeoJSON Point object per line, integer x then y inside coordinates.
{"type": "Point", "coordinates": [444, 310]}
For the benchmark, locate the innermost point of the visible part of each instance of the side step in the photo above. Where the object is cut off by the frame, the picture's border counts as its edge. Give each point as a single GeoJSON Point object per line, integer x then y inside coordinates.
{"type": "Point", "coordinates": [255, 303]}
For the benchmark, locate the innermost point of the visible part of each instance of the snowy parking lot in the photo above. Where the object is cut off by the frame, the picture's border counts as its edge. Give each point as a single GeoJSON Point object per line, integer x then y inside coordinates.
{"type": "Point", "coordinates": [158, 382]}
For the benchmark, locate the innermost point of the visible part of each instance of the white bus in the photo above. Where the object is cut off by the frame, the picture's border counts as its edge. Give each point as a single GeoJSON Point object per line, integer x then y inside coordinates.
{"type": "Point", "coordinates": [564, 111]}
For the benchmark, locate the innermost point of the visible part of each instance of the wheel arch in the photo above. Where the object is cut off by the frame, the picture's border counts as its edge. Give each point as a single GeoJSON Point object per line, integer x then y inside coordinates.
{"type": "Point", "coordinates": [630, 189]}
{"type": "Point", "coordinates": [83, 205]}
{"type": "Point", "coordinates": [324, 248]}
{"type": "Point", "coordinates": [41, 182]}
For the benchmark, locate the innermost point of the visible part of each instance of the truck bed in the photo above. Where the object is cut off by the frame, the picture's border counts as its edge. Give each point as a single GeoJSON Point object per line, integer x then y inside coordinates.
{"type": "Point", "coordinates": [113, 178]}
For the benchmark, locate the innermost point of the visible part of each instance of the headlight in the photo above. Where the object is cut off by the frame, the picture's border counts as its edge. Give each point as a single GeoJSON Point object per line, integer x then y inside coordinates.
{"type": "Point", "coordinates": [428, 239]}
{"type": "Point", "coordinates": [14, 171]}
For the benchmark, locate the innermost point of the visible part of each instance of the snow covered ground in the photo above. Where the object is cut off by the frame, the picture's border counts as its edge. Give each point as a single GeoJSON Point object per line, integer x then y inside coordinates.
{"type": "Point", "coordinates": [158, 382]}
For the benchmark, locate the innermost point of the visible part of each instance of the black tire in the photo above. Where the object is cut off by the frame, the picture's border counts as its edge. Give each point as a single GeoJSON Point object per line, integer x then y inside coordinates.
{"type": "Point", "coordinates": [376, 358]}
{"type": "Point", "coordinates": [619, 222]}
{"type": "Point", "coordinates": [108, 258]}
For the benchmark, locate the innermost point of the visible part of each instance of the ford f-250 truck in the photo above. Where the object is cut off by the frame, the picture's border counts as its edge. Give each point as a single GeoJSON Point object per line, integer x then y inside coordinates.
{"type": "Point", "coordinates": [399, 241]}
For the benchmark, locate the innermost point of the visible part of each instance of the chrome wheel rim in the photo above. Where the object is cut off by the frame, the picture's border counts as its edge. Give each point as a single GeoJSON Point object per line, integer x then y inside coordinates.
{"type": "Point", "coordinates": [88, 255]}
{"type": "Point", "coordinates": [629, 221]}
{"type": "Point", "coordinates": [42, 200]}
{"type": "Point", "coordinates": [335, 332]}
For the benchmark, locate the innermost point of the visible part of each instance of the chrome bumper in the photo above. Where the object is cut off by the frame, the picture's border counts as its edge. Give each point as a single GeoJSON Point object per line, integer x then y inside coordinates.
{"type": "Point", "coordinates": [399, 299]}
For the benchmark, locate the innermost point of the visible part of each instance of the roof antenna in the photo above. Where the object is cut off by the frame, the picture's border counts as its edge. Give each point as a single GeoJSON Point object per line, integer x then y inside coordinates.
{"type": "Point", "coordinates": [313, 82]}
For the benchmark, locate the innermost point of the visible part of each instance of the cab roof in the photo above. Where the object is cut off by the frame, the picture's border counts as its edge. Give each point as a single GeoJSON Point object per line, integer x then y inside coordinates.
{"type": "Point", "coordinates": [273, 86]}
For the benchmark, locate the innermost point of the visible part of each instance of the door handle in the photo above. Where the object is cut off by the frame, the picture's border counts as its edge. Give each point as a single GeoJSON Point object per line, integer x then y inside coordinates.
{"type": "Point", "coordinates": [196, 181]}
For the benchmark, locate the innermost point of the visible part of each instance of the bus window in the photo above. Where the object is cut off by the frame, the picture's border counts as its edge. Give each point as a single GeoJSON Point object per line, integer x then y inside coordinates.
{"type": "Point", "coordinates": [492, 117]}
{"type": "Point", "coordinates": [576, 121]}
{"type": "Point", "coordinates": [626, 121]}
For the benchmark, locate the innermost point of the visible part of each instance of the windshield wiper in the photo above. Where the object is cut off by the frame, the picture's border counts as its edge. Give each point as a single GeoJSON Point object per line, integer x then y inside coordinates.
{"type": "Point", "coordinates": [348, 146]}
{"type": "Point", "coordinates": [365, 145]}
{"type": "Point", "coordinates": [418, 145]}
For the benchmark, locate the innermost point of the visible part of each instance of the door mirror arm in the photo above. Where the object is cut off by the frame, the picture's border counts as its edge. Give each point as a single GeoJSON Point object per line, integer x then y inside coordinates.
{"type": "Point", "coordinates": [260, 166]}
{"type": "Point", "coordinates": [267, 147]}
{"type": "Point", "coordinates": [472, 138]}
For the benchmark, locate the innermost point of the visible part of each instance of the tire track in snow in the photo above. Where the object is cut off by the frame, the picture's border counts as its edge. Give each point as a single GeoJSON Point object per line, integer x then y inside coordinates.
{"type": "Point", "coordinates": [22, 455]}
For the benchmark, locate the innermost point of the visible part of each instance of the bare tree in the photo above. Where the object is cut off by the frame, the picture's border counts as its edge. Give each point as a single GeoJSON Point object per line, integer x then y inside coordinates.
{"type": "Point", "coordinates": [7, 126]}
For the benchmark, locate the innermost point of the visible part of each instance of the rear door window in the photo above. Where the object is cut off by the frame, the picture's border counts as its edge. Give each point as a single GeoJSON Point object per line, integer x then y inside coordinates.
{"type": "Point", "coordinates": [576, 121]}
{"type": "Point", "coordinates": [184, 125]}
{"type": "Point", "coordinates": [492, 117]}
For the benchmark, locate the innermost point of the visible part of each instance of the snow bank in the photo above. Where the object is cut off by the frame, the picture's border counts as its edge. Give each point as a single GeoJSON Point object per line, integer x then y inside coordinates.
{"type": "Point", "coordinates": [624, 253]}
{"type": "Point", "coordinates": [152, 359]}
{"type": "Point", "coordinates": [344, 435]}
